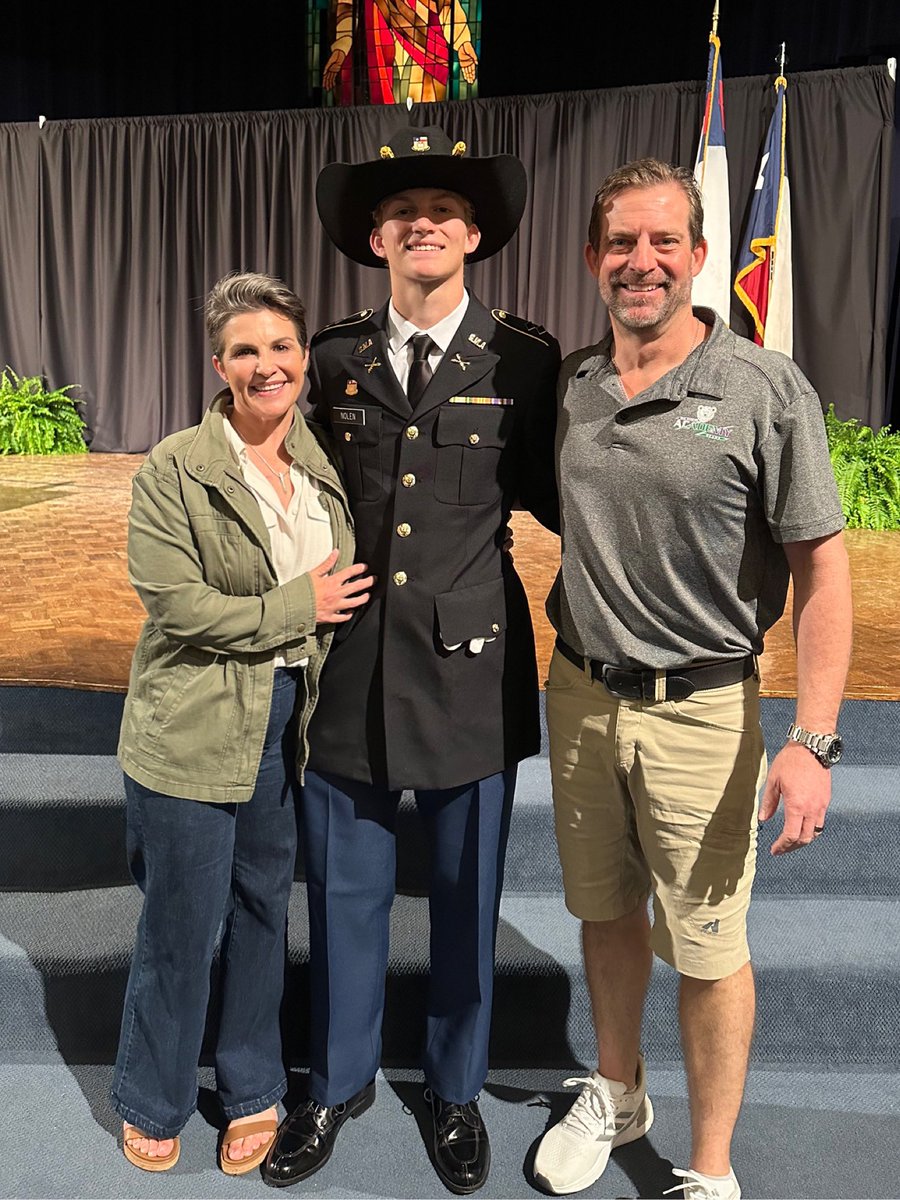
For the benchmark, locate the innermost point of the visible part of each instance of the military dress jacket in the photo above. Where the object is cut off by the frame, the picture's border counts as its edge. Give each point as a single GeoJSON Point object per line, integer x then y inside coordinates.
{"type": "Point", "coordinates": [431, 492]}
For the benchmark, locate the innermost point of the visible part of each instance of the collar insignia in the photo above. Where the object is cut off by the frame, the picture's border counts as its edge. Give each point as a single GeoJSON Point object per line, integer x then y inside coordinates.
{"type": "Point", "coordinates": [477, 341]}
{"type": "Point", "coordinates": [364, 346]}
{"type": "Point", "coordinates": [461, 362]}
{"type": "Point", "coordinates": [370, 366]}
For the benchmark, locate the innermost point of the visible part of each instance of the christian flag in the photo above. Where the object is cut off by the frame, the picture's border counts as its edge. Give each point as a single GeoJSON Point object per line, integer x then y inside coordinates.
{"type": "Point", "coordinates": [764, 281]}
{"type": "Point", "coordinates": [712, 286]}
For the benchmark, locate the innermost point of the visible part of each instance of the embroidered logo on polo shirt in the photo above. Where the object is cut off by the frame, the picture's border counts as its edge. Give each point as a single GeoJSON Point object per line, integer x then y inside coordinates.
{"type": "Point", "coordinates": [702, 424]}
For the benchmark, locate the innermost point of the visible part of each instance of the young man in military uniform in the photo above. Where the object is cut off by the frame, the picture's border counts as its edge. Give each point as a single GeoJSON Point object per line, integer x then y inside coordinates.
{"type": "Point", "coordinates": [443, 413]}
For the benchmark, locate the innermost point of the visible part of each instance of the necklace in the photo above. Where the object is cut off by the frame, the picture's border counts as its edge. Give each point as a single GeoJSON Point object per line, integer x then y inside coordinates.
{"type": "Point", "coordinates": [699, 331]}
{"type": "Point", "coordinates": [281, 476]}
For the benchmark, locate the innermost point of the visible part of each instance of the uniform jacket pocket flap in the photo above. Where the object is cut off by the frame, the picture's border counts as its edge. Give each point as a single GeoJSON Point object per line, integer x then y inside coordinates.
{"type": "Point", "coordinates": [356, 423]}
{"type": "Point", "coordinates": [475, 425]}
{"type": "Point", "coordinates": [472, 612]}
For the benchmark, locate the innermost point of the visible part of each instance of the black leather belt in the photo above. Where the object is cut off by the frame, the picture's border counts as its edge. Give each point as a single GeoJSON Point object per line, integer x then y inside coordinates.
{"type": "Point", "coordinates": [680, 681]}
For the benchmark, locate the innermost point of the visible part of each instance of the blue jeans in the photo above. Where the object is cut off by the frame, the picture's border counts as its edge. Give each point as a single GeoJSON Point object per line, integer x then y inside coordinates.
{"type": "Point", "coordinates": [203, 868]}
{"type": "Point", "coordinates": [350, 855]}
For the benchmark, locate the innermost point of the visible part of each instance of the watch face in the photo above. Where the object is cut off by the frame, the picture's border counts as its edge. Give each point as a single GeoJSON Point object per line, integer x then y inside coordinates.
{"type": "Point", "coordinates": [835, 751]}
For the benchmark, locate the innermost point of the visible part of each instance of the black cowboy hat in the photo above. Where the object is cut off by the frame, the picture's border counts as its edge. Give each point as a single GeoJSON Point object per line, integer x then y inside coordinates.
{"type": "Point", "coordinates": [348, 193]}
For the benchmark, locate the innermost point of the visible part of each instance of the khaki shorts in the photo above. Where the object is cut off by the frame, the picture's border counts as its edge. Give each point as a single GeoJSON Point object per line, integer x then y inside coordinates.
{"type": "Point", "coordinates": [659, 797]}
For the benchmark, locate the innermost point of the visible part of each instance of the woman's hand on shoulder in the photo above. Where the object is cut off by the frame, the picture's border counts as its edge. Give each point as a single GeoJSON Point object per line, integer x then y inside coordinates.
{"type": "Point", "coordinates": [339, 594]}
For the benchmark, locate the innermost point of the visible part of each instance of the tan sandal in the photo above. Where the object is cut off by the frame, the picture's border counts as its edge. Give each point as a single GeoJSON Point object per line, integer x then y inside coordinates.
{"type": "Point", "coordinates": [240, 1166]}
{"type": "Point", "coordinates": [144, 1161]}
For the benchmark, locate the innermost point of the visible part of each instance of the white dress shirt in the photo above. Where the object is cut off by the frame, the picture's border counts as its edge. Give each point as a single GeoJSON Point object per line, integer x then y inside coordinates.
{"type": "Point", "coordinates": [400, 333]}
{"type": "Point", "coordinates": [300, 535]}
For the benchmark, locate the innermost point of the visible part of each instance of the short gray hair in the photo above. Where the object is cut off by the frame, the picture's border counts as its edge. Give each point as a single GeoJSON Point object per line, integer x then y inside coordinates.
{"type": "Point", "coordinates": [647, 172]}
{"type": "Point", "coordinates": [249, 291]}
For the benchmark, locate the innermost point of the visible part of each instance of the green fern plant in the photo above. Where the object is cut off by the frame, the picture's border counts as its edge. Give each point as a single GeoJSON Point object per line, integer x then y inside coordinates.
{"type": "Point", "coordinates": [34, 420]}
{"type": "Point", "coordinates": [867, 470]}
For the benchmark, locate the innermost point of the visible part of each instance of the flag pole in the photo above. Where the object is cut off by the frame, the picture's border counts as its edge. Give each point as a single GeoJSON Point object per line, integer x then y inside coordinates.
{"type": "Point", "coordinates": [779, 82]}
{"type": "Point", "coordinates": [715, 72]}
{"type": "Point", "coordinates": [712, 288]}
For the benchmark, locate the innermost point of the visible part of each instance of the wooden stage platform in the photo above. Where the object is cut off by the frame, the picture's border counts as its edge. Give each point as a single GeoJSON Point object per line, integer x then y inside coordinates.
{"type": "Point", "coordinates": [69, 617]}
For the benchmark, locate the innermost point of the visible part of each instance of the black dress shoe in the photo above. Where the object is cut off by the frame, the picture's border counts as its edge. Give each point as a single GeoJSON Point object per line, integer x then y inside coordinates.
{"type": "Point", "coordinates": [462, 1152]}
{"type": "Point", "coordinates": [306, 1138]}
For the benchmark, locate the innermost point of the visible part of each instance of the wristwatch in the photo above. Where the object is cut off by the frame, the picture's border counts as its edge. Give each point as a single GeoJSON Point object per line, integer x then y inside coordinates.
{"type": "Point", "coordinates": [827, 747]}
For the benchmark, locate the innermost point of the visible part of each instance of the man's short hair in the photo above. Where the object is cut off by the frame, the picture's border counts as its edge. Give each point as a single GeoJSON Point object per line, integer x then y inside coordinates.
{"type": "Point", "coordinates": [249, 291]}
{"type": "Point", "coordinates": [378, 214]}
{"type": "Point", "coordinates": [642, 173]}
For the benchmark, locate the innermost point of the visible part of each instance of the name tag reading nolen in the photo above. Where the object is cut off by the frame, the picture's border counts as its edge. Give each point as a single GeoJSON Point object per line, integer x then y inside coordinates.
{"type": "Point", "coordinates": [350, 416]}
{"type": "Point", "coordinates": [503, 401]}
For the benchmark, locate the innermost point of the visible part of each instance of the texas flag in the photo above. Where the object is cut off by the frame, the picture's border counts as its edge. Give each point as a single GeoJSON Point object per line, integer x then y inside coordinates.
{"type": "Point", "coordinates": [712, 286]}
{"type": "Point", "coordinates": [764, 281]}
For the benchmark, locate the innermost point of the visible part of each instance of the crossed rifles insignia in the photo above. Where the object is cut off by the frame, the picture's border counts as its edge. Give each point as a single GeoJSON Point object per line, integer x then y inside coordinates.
{"type": "Point", "coordinates": [374, 361]}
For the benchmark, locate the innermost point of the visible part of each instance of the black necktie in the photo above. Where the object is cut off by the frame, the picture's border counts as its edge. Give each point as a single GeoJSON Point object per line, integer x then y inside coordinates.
{"type": "Point", "coordinates": [419, 368]}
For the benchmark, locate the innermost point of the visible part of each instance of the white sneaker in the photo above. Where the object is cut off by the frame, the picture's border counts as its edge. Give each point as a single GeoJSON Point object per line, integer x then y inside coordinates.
{"type": "Point", "coordinates": [574, 1153]}
{"type": "Point", "coordinates": [705, 1187]}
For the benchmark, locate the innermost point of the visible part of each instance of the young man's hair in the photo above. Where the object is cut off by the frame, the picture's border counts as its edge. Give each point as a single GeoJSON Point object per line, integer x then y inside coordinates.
{"type": "Point", "coordinates": [249, 291]}
{"type": "Point", "coordinates": [642, 173]}
{"type": "Point", "coordinates": [468, 208]}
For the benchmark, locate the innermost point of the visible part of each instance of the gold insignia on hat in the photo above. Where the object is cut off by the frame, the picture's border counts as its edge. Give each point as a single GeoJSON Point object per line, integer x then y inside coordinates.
{"type": "Point", "coordinates": [420, 144]}
{"type": "Point", "coordinates": [386, 152]}
{"type": "Point", "coordinates": [458, 149]}
{"type": "Point", "coordinates": [477, 341]}
{"type": "Point", "coordinates": [352, 388]}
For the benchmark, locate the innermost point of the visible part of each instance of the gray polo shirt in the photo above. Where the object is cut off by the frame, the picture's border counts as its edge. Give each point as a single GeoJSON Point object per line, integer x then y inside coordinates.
{"type": "Point", "coordinates": [675, 504]}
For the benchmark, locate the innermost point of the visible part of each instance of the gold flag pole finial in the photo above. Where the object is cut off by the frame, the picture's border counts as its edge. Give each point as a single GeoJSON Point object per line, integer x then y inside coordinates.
{"type": "Point", "coordinates": [715, 20]}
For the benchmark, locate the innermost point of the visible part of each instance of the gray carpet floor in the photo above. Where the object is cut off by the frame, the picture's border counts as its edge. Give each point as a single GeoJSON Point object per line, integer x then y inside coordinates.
{"type": "Point", "coordinates": [821, 1117]}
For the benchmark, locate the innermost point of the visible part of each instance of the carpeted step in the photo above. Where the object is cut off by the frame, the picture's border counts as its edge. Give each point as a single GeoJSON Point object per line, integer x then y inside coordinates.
{"type": "Point", "coordinates": [62, 822]}
{"type": "Point", "coordinates": [59, 720]}
{"type": "Point", "coordinates": [56, 720]}
{"type": "Point", "coordinates": [62, 826]}
{"type": "Point", "coordinates": [828, 975]}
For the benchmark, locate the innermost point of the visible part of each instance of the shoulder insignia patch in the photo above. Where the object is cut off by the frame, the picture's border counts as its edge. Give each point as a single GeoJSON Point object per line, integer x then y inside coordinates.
{"type": "Point", "coordinates": [345, 322]}
{"type": "Point", "coordinates": [520, 325]}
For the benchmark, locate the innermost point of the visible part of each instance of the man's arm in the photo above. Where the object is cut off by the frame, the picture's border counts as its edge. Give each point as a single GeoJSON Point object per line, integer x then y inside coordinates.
{"type": "Point", "coordinates": [823, 630]}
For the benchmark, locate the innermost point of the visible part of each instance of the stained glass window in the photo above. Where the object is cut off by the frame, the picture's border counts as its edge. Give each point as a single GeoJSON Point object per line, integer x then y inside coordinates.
{"type": "Point", "coordinates": [388, 51]}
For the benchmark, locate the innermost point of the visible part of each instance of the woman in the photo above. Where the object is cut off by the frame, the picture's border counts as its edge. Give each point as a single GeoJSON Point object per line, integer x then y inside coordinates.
{"type": "Point", "coordinates": [240, 547]}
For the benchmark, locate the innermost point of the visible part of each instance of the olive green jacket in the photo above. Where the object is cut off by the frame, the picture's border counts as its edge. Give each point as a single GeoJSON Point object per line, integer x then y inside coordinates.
{"type": "Point", "coordinates": [200, 559]}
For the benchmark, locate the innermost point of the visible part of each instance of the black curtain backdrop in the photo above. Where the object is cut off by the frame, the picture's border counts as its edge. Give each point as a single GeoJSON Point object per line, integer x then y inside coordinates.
{"type": "Point", "coordinates": [111, 231]}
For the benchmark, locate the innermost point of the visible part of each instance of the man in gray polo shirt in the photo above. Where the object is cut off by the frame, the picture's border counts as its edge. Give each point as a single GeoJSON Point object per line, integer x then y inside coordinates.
{"type": "Point", "coordinates": [694, 483]}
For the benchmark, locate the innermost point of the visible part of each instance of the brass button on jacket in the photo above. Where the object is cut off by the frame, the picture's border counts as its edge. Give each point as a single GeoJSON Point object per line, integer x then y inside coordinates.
{"type": "Point", "coordinates": [408, 480]}
{"type": "Point", "coordinates": [403, 529]}
{"type": "Point", "coordinates": [399, 578]}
